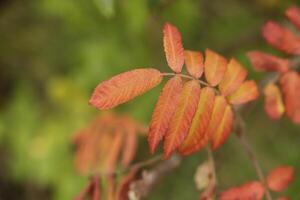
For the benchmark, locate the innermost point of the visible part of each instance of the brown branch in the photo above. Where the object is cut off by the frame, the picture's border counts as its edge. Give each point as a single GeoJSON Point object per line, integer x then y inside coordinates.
{"type": "Point", "coordinates": [240, 132]}
{"type": "Point", "coordinates": [142, 187]}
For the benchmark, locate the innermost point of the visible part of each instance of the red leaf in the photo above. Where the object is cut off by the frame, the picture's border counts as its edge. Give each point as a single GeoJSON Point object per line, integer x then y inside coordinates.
{"type": "Point", "coordinates": [246, 92]}
{"type": "Point", "coordinates": [234, 76]}
{"type": "Point", "coordinates": [280, 177]}
{"type": "Point", "coordinates": [163, 111]}
{"type": "Point", "coordinates": [249, 191]}
{"type": "Point", "coordinates": [182, 118]}
{"type": "Point", "coordinates": [124, 87]}
{"type": "Point", "coordinates": [173, 47]}
{"type": "Point", "coordinates": [273, 101]}
{"type": "Point", "coordinates": [293, 14]}
{"type": "Point", "coordinates": [194, 63]}
{"type": "Point", "coordinates": [130, 144]}
{"type": "Point", "coordinates": [281, 38]}
{"type": "Point", "coordinates": [224, 128]}
{"type": "Point", "coordinates": [214, 67]}
{"type": "Point", "coordinates": [290, 83]}
{"type": "Point", "coordinates": [196, 139]}
{"type": "Point", "coordinates": [267, 62]}
{"type": "Point", "coordinates": [123, 188]}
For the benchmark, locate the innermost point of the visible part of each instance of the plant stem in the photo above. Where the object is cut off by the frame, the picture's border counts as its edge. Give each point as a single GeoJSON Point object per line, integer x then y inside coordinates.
{"type": "Point", "coordinates": [212, 163]}
{"type": "Point", "coordinates": [240, 132]}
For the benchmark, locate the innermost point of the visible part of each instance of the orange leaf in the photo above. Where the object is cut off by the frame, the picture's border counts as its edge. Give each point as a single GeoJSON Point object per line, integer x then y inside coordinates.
{"type": "Point", "coordinates": [249, 191]}
{"type": "Point", "coordinates": [194, 63]}
{"type": "Point", "coordinates": [267, 62]}
{"type": "Point", "coordinates": [130, 144]}
{"type": "Point", "coordinates": [273, 101]}
{"type": "Point", "coordinates": [281, 38]}
{"type": "Point", "coordinates": [290, 83]}
{"type": "Point", "coordinates": [293, 14]}
{"type": "Point", "coordinates": [224, 128]}
{"type": "Point", "coordinates": [214, 67]}
{"type": "Point", "coordinates": [173, 47]}
{"type": "Point", "coordinates": [280, 177]}
{"type": "Point", "coordinates": [182, 118]}
{"type": "Point", "coordinates": [233, 78]}
{"type": "Point", "coordinates": [196, 139]}
{"type": "Point", "coordinates": [246, 92]}
{"type": "Point", "coordinates": [163, 111]}
{"type": "Point", "coordinates": [124, 186]}
{"type": "Point", "coordinates": [124, 87]}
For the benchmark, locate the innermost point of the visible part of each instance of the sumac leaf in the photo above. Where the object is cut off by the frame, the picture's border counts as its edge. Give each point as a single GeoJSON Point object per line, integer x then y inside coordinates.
{"type": "Point", "coordinates": [281, 38]}
{"type": "Point", "coordinates": [234, 76]}
{"type": "Point", "coordinates": [173, 47]}
{"type": "Point", "coordinates": [273, 105]}
{"type": "Point", "coordinates": [214, 67]}
{"type": "Point", "coordinates": [182, 118]}
{"type": "Point", "coordinates": [246, 92]}
{"type": "Point", "coordinates": [163, 111]}
{"type": "Point", "coordinates": [196, 139]}
{"type": "Point", "coordinates": [123, 187]}
{"type": "Point", "coordinates": [129, 144]}
{"type": "Point", "coordinates": [124, 87]}
{"type": "Point", "coordinates": [224, 129]}
{"type": "Point", "coordinates": [249, 191]}
{"type": "Point", "coordinates": [280, 178]}
{"type": "Point", "coordinates": [194, 63]}
{"type": "Point", "coordinates": [293, 14]}
{"type": "Point", "coordinates": [267, 62]}
{"type": "Point", "coordinates": [290, 83]}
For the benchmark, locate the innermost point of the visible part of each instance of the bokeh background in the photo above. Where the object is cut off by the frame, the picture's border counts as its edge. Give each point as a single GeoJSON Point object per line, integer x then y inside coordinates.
{"type": "Point", "coordinates": [54, 53]}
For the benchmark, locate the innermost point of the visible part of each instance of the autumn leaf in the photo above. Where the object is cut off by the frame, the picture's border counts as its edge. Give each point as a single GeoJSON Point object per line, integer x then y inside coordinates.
{"type": "Point", "coordinates": [267, 62]}
{"type": "Point", "coordinates": [214, 67]}
{"type": "Point", "coordinates": [123, 187]}
{"type": "Point", "coordinates": [290, 83]}
{"type": "Point", "coordinates": [129, 143]}
{"type": "Point", "coordinates": [182, 118]}
{"type": "Point", "coordinates": [196, 139]}
{"type": "Point", "coordinates": [173, 47]}
{"type": "Point", "coordinates": [249, 191]}
{"type": "Point", "coordinates": [124, 87]}
{"type": "Point", "coordinates": [194, 63]}
{"type": "Point", "coordinates": [234, 76]}
{"type": "Point", "coordinates": [164, 109]}
{"type": "Point", "coordinates": [246, 92]}
{"type": "Point", "coordinates": [274, 106]}
{"type": "Point", "coordinates": [280, 178]}
{"type": "Point", "coordinates": [293, 14]}
{"type": "Point", "coordinates": [281, 38]}
{"type": "Point", "coordinates": [224, 128]}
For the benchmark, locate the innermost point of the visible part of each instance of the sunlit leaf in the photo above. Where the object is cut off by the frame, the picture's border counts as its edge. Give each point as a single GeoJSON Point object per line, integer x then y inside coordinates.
{"type": "Point", "coordinates": [196, 138]}
{"type": "Point", "coordinates": [124, 87]}
{"type": "Point", "coordinates": [267, 62]}
{"type": "Point", "coordinates": [214, 67]}
{"type": "Point", "coordinates": [173, 47]}
{"type": "Point", "coordinates": [182, 118]}
{"type": "Point", "coordinates": [274, 106]}
{"type": "Point", "coordinates": [281, 38]}
{"type": "Point", "coordinates": [246, 92]}
{"type": "Point", "coordinates": [234, 76]}
{"type": "Point", "coordinates": [280, 178]}
{"type": "Point", "coordinates": [194, 63]}
{"type": "Point", "coordinates": [163, 111]}
{"type": "Point", "coordinates": [290, 83]}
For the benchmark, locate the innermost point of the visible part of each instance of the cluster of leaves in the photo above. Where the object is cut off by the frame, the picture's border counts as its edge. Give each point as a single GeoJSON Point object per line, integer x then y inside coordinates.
{"type": "Point", "coordinates": [277, 181]}
{"type": "Point", "coordinates": [109, 141]}
{"type": "Point", "coordinates": [287, 82]}
{"type": "Point", "coordinates": [191, 111]}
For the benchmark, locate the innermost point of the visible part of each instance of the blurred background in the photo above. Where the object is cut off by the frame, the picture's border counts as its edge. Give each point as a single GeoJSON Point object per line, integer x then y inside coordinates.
{"type": "Point", "coordinates": [54, 53]}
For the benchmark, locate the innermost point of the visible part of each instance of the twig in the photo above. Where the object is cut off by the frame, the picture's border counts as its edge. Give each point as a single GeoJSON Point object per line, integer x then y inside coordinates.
{"type": "Point", "coordinates": [240, 132]}
{"type": "Point", "coordinates": [212, 163]}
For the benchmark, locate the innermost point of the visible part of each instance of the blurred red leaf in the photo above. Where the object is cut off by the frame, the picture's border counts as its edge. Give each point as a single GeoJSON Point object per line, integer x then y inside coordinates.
{"type": "Point", "coordinates": [249, 191]}
{"type": "Point", "coordinates": [274, 106]}
{"type": "Point", "coordinates": [267, 62]}
{"type": "Point", "coordinates": [280, 178]}
{"type": "Point", "coordinates": [281, 38]}
{"type": "Point", "coordinates": [290, 83]}
{"type": "Point", "coordinates": [293, 14]}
